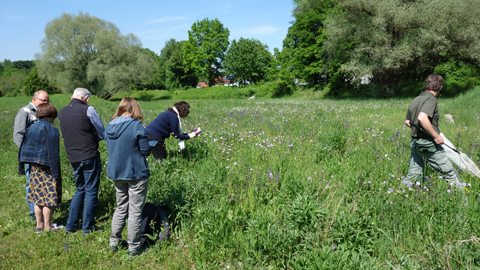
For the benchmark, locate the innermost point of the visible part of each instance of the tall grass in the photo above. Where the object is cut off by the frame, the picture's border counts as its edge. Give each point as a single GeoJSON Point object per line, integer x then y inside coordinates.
{"type": "Point", "coordinates": [281, 184]}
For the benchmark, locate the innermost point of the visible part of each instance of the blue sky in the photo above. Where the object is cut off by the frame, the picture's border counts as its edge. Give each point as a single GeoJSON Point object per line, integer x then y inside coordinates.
{"type": "Point", "coordinates": [22, 23]}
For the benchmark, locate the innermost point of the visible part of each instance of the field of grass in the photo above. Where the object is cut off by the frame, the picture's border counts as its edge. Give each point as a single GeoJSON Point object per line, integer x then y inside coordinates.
{"type": "Point", "coordinates": [271, 184]}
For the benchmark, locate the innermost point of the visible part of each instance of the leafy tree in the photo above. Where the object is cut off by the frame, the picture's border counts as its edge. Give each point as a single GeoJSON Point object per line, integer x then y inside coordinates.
{"type": "Point", "coordinates": [401, 40]}
{"type": "Point", "coordinates": [26, 65]}
{"type": "Point", "coordinates": [34, 83]}
{"type": "Point", "coordinates": [247, 60]}
{"type": "Point", "coordinates": [205, 49]}
{"type": "Point", "coordinates": [303, 49]}
{"type": "Point", "coordinates": [306, 5]}
{"type": "Point", "coordinates": [85, 51]}
{"type": "Point", "coordinates": [10, 86]}
{"type": "Point", "coordinates": [176, 73]}
{"type": "Point", "coordinates": [157, 79]}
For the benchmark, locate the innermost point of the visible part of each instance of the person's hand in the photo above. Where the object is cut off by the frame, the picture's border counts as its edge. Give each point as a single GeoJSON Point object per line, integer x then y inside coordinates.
{"type": "Point", "coordinates": [192, 135]}
{"type": "Point", "coordinates": [439, 140]}
{"type": "Point", "coordinates": [407, 123]}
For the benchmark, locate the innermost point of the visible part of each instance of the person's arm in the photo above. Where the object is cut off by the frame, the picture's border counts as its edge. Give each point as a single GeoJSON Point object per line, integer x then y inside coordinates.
{"type": "Point", "coordinates": [19, 127]}
{"type": "Point", "coordinates": [96, 121]}
{"type": "Point", "coordinates": [53, 137]}
{"type": "Point", "coordinates": [141, 136]}
{"type": "Point", "coordinates": [425, 123]}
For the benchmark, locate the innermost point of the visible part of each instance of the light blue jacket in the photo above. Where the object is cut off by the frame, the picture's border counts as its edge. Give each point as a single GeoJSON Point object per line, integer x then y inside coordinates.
{"type": "Point", "coordinates": [127, 145]}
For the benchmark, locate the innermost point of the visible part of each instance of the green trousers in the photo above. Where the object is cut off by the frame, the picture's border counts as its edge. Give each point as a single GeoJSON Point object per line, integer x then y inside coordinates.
{"type": "Point", "coordinates": [437, 159]}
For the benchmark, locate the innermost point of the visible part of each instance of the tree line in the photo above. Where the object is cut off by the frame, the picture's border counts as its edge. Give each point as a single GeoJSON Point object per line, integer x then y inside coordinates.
{"type": "Point", "coordinates": [368, 48]}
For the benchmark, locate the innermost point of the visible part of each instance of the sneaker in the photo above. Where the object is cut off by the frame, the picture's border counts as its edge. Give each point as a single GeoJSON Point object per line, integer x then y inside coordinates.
{"type": "Point", "coordinates": [133, 253]}
{"type": "Point", "coordinates": [38, 230]}
{"type": "Point", "coordinates": [95, 228]}
{"type": "Point", "coordinates": [122, 244]}
{"type": "Point", "coordinates": [57, 227]}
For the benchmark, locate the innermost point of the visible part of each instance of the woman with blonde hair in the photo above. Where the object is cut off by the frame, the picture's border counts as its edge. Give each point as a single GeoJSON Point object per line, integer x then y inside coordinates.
{"type": "Point", "coordinates": [128, 147]}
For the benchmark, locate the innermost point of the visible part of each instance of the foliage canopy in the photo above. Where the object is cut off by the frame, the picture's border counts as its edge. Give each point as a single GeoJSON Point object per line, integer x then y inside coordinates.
{"type": "Point", "coordinates": [85, 51]}
{"type": "Point", "coordinates": [205, 49]}
{"type": "Point", "coordinates": [247, 60]}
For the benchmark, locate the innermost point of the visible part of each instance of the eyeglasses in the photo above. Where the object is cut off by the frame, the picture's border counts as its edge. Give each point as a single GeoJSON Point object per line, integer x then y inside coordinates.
{"type": "Point", "coordinates": [44, 100]}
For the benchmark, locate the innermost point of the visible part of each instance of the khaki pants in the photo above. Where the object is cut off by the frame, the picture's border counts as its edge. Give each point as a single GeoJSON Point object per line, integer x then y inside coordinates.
{"type": "Point", "coordinates": [438, 160]}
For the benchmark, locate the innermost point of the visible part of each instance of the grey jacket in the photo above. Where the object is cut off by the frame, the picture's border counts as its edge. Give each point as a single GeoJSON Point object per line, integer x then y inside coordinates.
{"type": "Point", "coordinates": [26, 116]}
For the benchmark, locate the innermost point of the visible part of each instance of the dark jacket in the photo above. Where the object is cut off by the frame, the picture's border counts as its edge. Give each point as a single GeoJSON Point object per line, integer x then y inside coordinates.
{"type": "Point", "coordinates": [78, 132]}
{"type": "Point", "coordinates": [164, 124]}
{"type": "Point", "coordinates": [41, 146]}
{"type": "Point", "coordinates": [127, 145]}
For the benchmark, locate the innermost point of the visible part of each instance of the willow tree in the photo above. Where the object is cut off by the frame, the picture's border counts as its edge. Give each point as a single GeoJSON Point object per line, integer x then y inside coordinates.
{"type": "Point", "coordinates": [397, 40]}
{"type": "Point", "coordinates": [85, 51]}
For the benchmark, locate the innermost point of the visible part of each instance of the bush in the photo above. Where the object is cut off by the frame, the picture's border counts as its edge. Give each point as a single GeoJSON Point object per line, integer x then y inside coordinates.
{"type": "Point", "coordinates": [458, 77]}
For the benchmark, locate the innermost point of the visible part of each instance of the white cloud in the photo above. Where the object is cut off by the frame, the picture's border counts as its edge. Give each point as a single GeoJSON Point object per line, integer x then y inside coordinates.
{"type": "Point", "coordinates": [167, 19]}
{"type": "Point", "coordinates": [14, 18]}
{"type": "Point", "coordinates": [260, 30]}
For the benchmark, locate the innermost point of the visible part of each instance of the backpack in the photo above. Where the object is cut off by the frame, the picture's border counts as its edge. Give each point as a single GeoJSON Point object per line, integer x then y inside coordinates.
{"type": "Point", "coordinates": [154, 219]}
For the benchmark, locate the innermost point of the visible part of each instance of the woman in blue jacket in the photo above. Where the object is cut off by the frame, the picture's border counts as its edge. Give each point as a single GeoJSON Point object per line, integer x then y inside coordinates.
{"type": "Point", "coordinates": [40, 149]}
{"type": "Point", "coordinates": [128, 147]}
{"type": "Point", "coordinates": [166, 123]}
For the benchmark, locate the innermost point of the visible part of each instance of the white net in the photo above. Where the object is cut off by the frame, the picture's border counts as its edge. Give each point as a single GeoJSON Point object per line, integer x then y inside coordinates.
{"type": "Point", "coordinates": [463, 161]}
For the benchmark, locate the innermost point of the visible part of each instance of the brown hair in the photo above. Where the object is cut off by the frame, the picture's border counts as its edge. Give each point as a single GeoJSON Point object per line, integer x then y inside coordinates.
{"type": "Point", "coordinates": [46, 110]}
{"type": "Point", "coordinates": [182, 107]}
{"type": "Point", "coordinates": [129, 107]}
{"type": "Point", "coordinates": [434, 82]}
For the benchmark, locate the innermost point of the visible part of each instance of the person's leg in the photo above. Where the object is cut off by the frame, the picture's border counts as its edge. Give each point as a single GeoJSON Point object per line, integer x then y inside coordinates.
{"type": "Point", "coordinates": [47, 215]}
{"type": "Point", "coordinates": [121, 212]}
{"type": "Point", "coordinates": [417, 164]}
{"type": "Point", "coordinates": [39, 216]}
{"type": "Point", "coordinates": [137, 192]}
{"type": "Point", "coordinates": [440, 162]}
{"type": "Point", "coordinates": [76, 203]}
{"type": "Point", "coordinates": [159, 151]}
{"type": "Point", "coordinates": [31, 205]}
{"type": "Point", "coordinates": [91, 172]}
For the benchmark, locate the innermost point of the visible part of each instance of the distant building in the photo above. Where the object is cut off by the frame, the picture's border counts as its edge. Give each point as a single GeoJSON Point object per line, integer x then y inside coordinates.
{"type": "Point", "coordinates": [219, 81]}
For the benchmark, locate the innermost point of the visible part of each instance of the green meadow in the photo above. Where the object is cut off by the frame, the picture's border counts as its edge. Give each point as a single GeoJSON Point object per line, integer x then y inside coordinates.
{"type": "Point", "coordinates": [289, 183]}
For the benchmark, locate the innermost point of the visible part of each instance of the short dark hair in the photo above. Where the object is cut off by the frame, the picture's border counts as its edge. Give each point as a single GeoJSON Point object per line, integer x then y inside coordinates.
{"type": "Point", "coordinates": [182, 107]}
{"type": "Point", "coordinates": [46, 110]}
{"type": "Point", "coordinates": [434, 82]}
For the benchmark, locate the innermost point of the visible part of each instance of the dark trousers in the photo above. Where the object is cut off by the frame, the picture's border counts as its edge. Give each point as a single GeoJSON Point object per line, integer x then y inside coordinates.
{"type": "Point", "coordinates": [159, 151]}
{"type": "Point", "coordinates": [87, 182]}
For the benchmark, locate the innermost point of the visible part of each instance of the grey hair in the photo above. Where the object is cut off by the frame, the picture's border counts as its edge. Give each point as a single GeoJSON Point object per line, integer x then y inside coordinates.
{"type": "Point", "coordinates": [81, 93]}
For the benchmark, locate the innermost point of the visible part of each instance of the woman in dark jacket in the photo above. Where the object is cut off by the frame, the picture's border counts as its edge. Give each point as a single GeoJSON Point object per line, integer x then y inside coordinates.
{"type": "Point", "coordinates": [40, 149]}
{"type": "Point", "coordinates": [128, 147]}
{"type": "Point", "coordinates": [169, 122]}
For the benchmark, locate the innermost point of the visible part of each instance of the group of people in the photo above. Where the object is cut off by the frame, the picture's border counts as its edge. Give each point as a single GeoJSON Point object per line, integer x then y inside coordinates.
{"type": "Point", "coordinates": [128, 145]}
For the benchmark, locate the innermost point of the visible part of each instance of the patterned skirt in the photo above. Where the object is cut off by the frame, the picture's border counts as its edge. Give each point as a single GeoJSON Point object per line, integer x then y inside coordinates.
{"type": "Point", "coordinates": [45, 190]}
